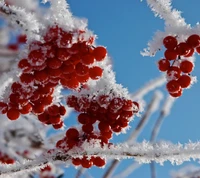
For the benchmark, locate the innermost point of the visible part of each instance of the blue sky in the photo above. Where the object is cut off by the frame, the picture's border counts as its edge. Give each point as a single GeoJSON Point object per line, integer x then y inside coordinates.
{"type": "Point", "coordinates": [125, 27]}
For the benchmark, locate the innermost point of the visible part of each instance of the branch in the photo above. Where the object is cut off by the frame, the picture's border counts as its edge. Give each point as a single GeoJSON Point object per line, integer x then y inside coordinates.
{"type": "Point", "coordinates": [150, 86]}
{"type": "Point", "coordinates": [164, 112]}
{"type": "Point", "coordinates": [144, 152]}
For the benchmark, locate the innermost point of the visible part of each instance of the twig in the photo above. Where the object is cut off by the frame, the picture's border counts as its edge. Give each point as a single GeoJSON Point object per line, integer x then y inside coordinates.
{"type": "Point", "coordinates": [163, 113]}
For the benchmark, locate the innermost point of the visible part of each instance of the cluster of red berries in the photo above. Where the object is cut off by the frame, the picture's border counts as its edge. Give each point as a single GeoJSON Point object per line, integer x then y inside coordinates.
{"type": "Point", "coordinates": [5, 159]}
{"type": "Point", "coordinates": [63, 58]}
{"type": "Point", "coordinates": [176, 65]}
{"type": "Point", "coordinates": [46, 172]}
{"type": "Point", "coordinates": [110, 114]}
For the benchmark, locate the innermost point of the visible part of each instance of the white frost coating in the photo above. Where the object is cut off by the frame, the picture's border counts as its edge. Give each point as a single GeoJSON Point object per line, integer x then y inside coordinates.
{"type": "Point", "coordinates": [59, 12]}
{"type": "Point", "coordinates": [174, 25]}
{"type": "Point", "coordinates": [163, 9]}
{"type": "Point", "coordinates": [138, 95]}
{"type": "Point", "coordinates": [106, 85]}
{"type": "Point", "coordinates": [27, 4]}
{"type": "Point", "coordinates": [144, 152]}
{"type": "Point", "coordinates": [27, 21]}
{"type": "Point", "coordinates": [168, 105]}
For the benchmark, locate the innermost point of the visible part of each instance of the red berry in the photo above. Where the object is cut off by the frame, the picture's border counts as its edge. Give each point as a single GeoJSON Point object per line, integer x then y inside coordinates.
{"type": "Point", "coordinates": [21, 39]}
{"type": "Point", "coordinates": [193, 41]}
{"type": "Point", "coordinates": [173, 73]}
{"type": "Point", "coordinates": [54, 73]}
{"type": "Point", "coordinates": [24, 65]}
{"type": "Point", "coordinates": [62, 54]}
{"type": "Point", "coordinates": [182, 49]}
{"type": "Point", "coordinates": [99, 162]}
{"type": "Point", "coordinates": [104, 100]}
{"type": "Point", "coordinates": [170, 42]}
{"type": "Point", "coordinates": [87, 128]}
{"type": "Point", "coordinates": [53, 110]}
{"type": "Point", "coordinates": [26, 109]}
{"type": "Point", "coordinates": [13, 114]}
{"type": "Point", "coordinates": [190, 53]}
{"type": "Point", "coordinates": [84, 118]}
{"type": "Point", "coordinates": [38, 109]}
{"type": "Point", "coordinates": [72, 84]}
{"type": "Point", "coordinates": [87, 59]}
{"type": "Point", "coordinates": [116, 104]}
{"type": "Point", "coordinates": [83, 78]}
{"type": "Point", "coordinates": [26, 78]}
{"type": "Point", "coordinates": [184, 81]}
{"type": "Point", "coordinates": [95, 72]}
{"type": "Point", "coordinates": [186, 66]}
{"type": "Point", "coordinates": [37, 57]}
{"type": "Point", "coordinates": [68, 68]}
{"type": "Point", "coordinates": [81, 69]}
{"type": "Point", "coordinates": [76, 161]}
{"type": "Point", "coordinates": [44, 117]}
{"type": "Point", "coordinates": [177, 94]}
{"type": "Point", "coordinates": [86, 163]}
{"type": "Point", "coordinates": [99, 53]}
{"type": "Point", "coordinates": [104, 127]}
{"type": "Point", "coordinates": [72, 133]}
{"type": "Point", "coordinates": [54, 63]}
{"type": "Point", "coordinates": [173, 86]}
{"type": "Point", "coordinates": [66, 38]}
{"type": "Point", "coordinates": [163, 65]}
{"type": "Point", "coordinates": [170, 54]}
{"type": "Point", "coordinates": [13, 47]}
{"type": "Point", "coordinates": [136, 107]}
{"type": "Point", "coordinates": [72, 101]}
{"type": "Point", "coordinates": [128, 105]}
{"type": "Point", "coordinates": [41, 76]}
{"type": "Point", "coordinates": [58, 126]}
{"type": "Point", "coordinates": [62, 110]}
{"type": "Point", "coordinates": [54, 119]}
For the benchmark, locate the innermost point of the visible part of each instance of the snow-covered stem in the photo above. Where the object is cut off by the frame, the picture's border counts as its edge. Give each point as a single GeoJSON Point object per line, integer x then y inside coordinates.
{"type": "Point", "coordinates": [144, 152]}
{"type": "Point", "coordinates": [163, 113]}
{"type": "Point", "coordinates": [151, 108]}
{"type": "Point", "coordinates": [163, 9]}
{"type": "Point", "coordinates": [150, 86]}
{"type": "Point", "coordinates": [128, 170]}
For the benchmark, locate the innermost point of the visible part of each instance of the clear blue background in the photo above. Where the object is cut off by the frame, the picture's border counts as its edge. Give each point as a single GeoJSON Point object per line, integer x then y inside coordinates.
{"type": "Point", "coordinates": [125, 27]}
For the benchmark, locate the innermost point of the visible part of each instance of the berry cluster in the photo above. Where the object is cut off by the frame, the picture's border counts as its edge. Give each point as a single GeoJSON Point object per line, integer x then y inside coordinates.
{"type": "Point", "coordinates": [64, 58]}
{"type": "Point", "coordinates": [110, 114]}
{"type": "Point", "coordinates": [46, 172]}
{"type": "Point", "coordinates": [176, 65]}
{"type": "Point", "coordinates": [5, 159]}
